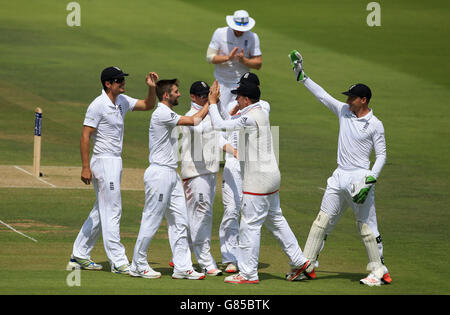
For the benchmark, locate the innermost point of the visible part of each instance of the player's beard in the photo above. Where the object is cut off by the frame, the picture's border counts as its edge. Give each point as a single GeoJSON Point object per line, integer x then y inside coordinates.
{"type": "Point", "coordinates": [173, 101]}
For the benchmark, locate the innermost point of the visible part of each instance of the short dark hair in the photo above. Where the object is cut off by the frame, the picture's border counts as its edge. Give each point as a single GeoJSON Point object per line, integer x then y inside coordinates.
{"type": "Point", "coordinates": [104, 85]}
{"type": "Point", "coordinates": [164, 86]}
{"type": "Point", "coordinates": [254, 100]}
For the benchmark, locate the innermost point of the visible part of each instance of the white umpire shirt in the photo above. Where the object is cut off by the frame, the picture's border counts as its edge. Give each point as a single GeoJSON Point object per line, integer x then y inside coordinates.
{"type": "Point", "coordinates": [163, 140]}
{"type": "Point", "coordinates": [107, 118]}
{"type": "Point", "coordinates": [357, 136]}
{"type": "Point", "coordinates": [224, 40]}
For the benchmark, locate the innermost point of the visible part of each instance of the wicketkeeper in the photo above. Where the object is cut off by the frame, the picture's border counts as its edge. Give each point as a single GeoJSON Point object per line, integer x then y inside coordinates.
{"type": "Point", "coordinates": [352, 183]}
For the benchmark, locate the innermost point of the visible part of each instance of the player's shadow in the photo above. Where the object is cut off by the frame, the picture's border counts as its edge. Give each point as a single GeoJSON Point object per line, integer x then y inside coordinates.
{"type": "Point", "coordinates": [107, 267]}
{"type": "Point", "coordinates": [321, 275]}
{"type": "Point", "coordinates": [352, 276]}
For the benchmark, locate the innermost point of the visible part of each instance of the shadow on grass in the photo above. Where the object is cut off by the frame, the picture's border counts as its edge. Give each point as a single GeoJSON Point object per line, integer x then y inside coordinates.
{"type": "Point", "coordinates": [321, 275]}
{"type": "Point", "coordinates": [352, 276]}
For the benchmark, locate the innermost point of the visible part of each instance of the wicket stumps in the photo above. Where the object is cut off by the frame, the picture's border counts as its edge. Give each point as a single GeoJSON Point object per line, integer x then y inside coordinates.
{"type": "Point", "coordinates": [37, 141]}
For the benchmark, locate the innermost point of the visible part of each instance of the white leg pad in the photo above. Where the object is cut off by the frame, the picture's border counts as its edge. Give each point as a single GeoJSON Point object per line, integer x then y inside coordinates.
{"type": "Point", "coordinates": [315, 238]}
{"type": "Point", "coordinates": [375, 266]}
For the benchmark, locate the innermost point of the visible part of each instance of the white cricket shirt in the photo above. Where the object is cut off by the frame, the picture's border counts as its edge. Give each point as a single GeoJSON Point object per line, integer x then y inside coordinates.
{"type": "Point", "coordinates": [259, 168]}
{"type": "Point", "coordinates": [357, 136]}
{"type": "Point", "coordinates": [224, 40]}
{"type": "Point", "coordinates": [107, 119]}
{"type": "Point", "coordinates": [233, 136]}
{"type": "Point", "coordinates": [201, 147]}
{"type": "Point", "coordinates": [162, 138]}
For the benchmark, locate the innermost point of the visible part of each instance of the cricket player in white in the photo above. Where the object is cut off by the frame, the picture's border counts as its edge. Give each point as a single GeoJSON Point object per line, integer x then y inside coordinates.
{"type": "Point", "coordinates": [232, 187]}
{"type": "Point", "coordinates": [261, 182]}
{"type": "Point", "coordinates": [200, 156]}
{"type": "Point", "coordinates": [351, 184]}
{"type": "Point", "coordinates": [164, 195]}
{"type": "Point", "coordinates": [233, 50]}
{"type": "Point", "coordinates": [104, 123]}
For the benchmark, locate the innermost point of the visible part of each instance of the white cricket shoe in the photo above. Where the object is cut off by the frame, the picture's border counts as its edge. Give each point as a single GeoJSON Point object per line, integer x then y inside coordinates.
{"type": "Point", "coordinates": [239, 279]}
{"type": "Point", "coordinates": [231, 268]}
{"type": "Point", "coordinates": [79, 263]}
{"type": "Point", "coordinates": [214, 272]}
{"type": "Point", "coordinates": [123, 270]}
{"type": "Point", "coordinates": [189, 274]}
{"type": "Point", "coordinates": [296, 272]}
{"type": "Point", "coordinates": [147, 273]}
{"type": "Point", "coordinates": [371, 280]}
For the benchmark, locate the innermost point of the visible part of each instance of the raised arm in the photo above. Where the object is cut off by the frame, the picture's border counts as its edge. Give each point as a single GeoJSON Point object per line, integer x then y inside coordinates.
{"type": "Point", "coordinates": [196, 119]}
{"type": "Point", "coordinates": [216, 120]}
{"type": "Point", "coordinates": [322, 96]}
{"type": "Point", "coordinates": [150, 101]}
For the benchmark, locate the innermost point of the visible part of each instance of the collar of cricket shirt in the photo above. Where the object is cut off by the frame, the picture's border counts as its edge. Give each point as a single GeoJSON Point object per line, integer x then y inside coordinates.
{"type": "Point", "coordinates": [108, 100]}
{"type": "Point", "coordinates": [196, 106]}
{"type": "Point", "coordinates": [250, 107]}
{"type": "Point", "coordinates": [366, 117]}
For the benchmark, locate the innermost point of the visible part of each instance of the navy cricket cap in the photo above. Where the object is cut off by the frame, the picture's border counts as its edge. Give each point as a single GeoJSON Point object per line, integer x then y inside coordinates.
{"type": "Point", "coordinates": [360, 90]}
{"type": "Point", "coordinates": [248, 89]}
{"type": "Point", "coordinates": [199, 88]}
{"type": "Point", "coordinates": [111, 73]}
{"type": "Point", "coordinates": [250, 77]}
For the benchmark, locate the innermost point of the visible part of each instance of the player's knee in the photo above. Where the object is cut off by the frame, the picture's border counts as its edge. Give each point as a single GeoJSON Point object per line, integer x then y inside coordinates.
{"type": "Point", "coordinates": [322, 220]}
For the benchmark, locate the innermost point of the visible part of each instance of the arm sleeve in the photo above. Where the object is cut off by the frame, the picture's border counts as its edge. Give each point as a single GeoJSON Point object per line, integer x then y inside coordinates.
{"type": "Point", "coordinates": [93, 116]}
{"type": "Point", "coordinates": [234, 124]}
{"type": "Point", "coordinates": [333, 104]}
{"type": "Point", "coordinates": [379, 142]}
{"type": "Point", "coordinates": [210, 53]}
{"type": "Point", "coordinates": [256, 51]}
{"type": "Point", "coordinates": [169, 118]}
{"type": "Point", "coordinates": [215, 42]}
{"type": "Point", "coordinates": [129, 102]}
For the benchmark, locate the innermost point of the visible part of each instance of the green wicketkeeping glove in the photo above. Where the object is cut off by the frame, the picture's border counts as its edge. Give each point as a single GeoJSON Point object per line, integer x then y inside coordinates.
{"type": "Point", "coordinates": [360, 191]}
{"type": "Point", "coordinates": [297, 65]}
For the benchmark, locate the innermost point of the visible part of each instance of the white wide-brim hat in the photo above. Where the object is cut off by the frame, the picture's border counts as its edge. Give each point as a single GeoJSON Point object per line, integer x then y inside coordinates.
{"type": "Point", "coordinates": [240, 21]}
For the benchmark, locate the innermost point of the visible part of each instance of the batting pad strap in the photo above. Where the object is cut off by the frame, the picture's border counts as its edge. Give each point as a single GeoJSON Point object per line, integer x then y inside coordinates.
{"type": "Point", "coordinates": [375, 266]}
{"type": "Point", "coordinates": [315, 238]}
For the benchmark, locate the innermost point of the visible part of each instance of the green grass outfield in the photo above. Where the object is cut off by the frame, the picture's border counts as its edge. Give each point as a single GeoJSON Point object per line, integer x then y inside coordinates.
{"type": "Point", "coordinates": [46, 63]}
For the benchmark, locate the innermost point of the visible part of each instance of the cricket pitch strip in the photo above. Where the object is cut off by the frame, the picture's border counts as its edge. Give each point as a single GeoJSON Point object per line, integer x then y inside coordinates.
{"type": "Point", "coordinates": [61, 177]}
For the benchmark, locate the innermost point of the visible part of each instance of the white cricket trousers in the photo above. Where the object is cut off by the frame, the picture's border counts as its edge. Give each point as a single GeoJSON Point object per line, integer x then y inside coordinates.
{"type": "Point", "coordinates": [200, 192]}
{"type": "Point", "coordinates": [258, 210]}
{"type": "Point", "coordinates": [231, 198]}
{"type": "Point", "coordinates": [164, 197]}
{"type": "Point", "coordinates": [337, 199]}
{"type": "Point", "coordinates": [106, 213]}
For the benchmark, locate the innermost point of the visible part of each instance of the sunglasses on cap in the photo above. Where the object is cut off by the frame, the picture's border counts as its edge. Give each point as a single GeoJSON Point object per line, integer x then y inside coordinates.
{"type": "Point", "coordinates": [118, 80]}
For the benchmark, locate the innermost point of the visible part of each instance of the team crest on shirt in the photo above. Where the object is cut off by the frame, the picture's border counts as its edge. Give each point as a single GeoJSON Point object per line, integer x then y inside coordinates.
{"type": "Point", "coordinates": [120, 108]}
{"type": "Point", "coordinates": [365, 127]}
{"type": "Point", "coordinates": [246, 43]}
{"type": "Point", "coordinates": [173, 115]}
